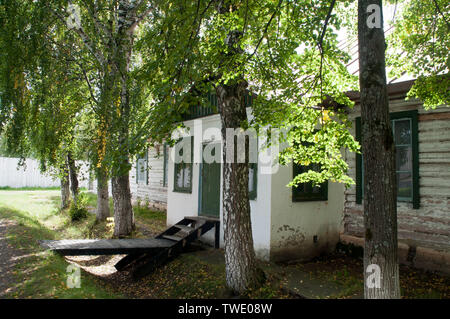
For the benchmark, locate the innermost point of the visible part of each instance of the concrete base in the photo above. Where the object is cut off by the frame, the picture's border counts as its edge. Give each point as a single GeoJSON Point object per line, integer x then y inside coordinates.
{"type": "Point", "coordinates": [158, 206]}
{"type": "Point", "coordinates": [418, 257]}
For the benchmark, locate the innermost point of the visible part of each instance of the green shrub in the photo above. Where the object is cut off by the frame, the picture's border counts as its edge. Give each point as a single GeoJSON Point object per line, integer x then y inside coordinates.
{"type": "Point", "coordinates": [79, 210]}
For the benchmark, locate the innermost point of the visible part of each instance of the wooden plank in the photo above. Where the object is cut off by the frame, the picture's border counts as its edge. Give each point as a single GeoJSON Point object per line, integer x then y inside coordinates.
{"type": "Point", "coordinates": [434, 116]}
{"type": "Point", "coordinates": [174, 238]}
{"type": "Point", "coordinates": [203, 218]}
{"type": "Point", "coordinates": [185, 228]}
{"type": "Point", "coordinates": [105, 246]}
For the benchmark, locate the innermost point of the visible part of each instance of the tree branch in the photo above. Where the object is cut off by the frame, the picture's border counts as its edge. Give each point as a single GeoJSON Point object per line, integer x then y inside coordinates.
{"type": "Point", "coordinates": [86, 40]}
{"type": "Point", "coordinates": [327, 19]}
{"type": "Point", "coordinates": [440, 12]}
{"type": "Point", "coordinates": [140, 17]}
{"type": "Point", "coordinates": [265, 29]}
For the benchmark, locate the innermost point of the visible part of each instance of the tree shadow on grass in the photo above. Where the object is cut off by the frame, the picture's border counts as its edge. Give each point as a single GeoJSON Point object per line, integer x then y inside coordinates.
{"type": "Point", "coordinates": [40, 273]}
{"type": "Point", "coordinates": [27, 229]}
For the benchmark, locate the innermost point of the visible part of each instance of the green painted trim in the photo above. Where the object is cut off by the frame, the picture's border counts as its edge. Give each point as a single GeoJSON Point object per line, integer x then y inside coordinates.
{"type": "Point", "coordinates": [200, 210]}
{"type": "Point", "coordinates": [200, 186]}
{"type": "Point", "coordinates": [177, 189]}
{"type": "Point", "coordinates": [299, 196]}
{"type": "Point", "coordinates": [413, 115]}
{"type": "Point", "coordinates": [183, 190]}
{"type": "Point", "coordinates": [210, 108]}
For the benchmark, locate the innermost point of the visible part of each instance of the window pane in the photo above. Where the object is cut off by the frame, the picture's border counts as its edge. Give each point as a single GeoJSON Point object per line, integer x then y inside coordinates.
{"type": "Point", "coordinates": [250, 179]}
{"type": "Point", "coordinates": [179, 175]}
{"type": "Point", "coordinates": [404, 184]}
{"type": "Point", "coordinates": [187, 176]}
{"type": "Point", "coordinates": [404, 158]}
{"type": "Point", "coordinates": [315, 190]}
{"type": "Point", "coordinates": [402, 134]}
{"type": "Point", "coordinates": [141, 169]}
{"type": "Point", "coordinates": [306, 191]}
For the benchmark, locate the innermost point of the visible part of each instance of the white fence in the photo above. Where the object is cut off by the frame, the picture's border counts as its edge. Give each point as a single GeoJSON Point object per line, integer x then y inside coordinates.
{"type": "Point", "coordinates": [12, 175]}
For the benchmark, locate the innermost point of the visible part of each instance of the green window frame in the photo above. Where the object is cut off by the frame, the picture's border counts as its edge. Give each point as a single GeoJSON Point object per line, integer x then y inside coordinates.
{"type": "Point", "coordinates": [183, 172]}
{"type": "Point", "coordinates": [165, 164]}
{"type": "Point", "coordinates": [142, 168]}
{"type": "Point", "coordinates": [306, 191]}
{"type": "Point", "coordinates": [411, 145]}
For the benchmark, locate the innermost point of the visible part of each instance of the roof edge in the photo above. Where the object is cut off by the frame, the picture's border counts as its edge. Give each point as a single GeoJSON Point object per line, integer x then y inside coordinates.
{"type": "Point", "coordinates": [392, 89]}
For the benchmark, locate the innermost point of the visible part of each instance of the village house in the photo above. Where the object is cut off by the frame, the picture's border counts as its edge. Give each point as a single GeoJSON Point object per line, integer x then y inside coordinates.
{"type": "Point", "coordinates": [287, 224]}
{"type": "Point", "coordinates": [301, 223]}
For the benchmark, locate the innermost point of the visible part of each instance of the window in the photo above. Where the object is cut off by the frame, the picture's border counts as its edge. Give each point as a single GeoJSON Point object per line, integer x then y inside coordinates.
{"type": "Point", "coordinates": [142, 169]}
{"type": "Point", "coordinates": [306, 191]}
{"type": "Point", "coordinates": [405, 131]}
{"type": "Point", "coordinates": [166, 164]}
{"type": "Point", "coordinates": [183, 169]}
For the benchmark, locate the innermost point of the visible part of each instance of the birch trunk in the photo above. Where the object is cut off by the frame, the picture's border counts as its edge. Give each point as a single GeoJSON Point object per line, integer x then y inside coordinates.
{"type": "Point", "coordinates": [65, 187]}
{"type": "Point", "coordinates": [102, 195]}
{"type": "Point", "coordinates": [241, 268]}
{"type": "Point", "coordinates": [123, 211]}
{"type": "Point", "coordinates": [380, 190]}
{"type": "Point", "coordinates": [73, 177]}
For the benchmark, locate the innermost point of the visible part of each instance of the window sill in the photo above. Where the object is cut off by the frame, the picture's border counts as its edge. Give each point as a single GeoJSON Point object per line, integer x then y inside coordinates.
{"type": "Point", "coordinates": [309, 200]}
{"type": "Point", "coordinates": [185, 191]}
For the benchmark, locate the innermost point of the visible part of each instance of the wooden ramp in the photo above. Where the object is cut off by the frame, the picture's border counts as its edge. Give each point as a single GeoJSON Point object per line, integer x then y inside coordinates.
{"type": "Point", "coordinates": [143, 255]}
{"type": "Point", "coordinates": [181, 234]}
{"type": "Point", "coordinates": [105, 246]}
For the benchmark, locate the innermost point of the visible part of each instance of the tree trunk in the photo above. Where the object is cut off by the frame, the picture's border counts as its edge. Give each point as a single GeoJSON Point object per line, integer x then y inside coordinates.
{"type": "Point", "coordinates": [241, 268]}
{"type": "Point", "coordinates": [90, 182]}
{"type": "Point", "coordinates": [380, 187]}
{"type": "Point", "coordinates": [123, 211]}
{"type": "Point", "coordinates": [65, 186]}
{"type": "Point", "coordinates": [73, 177]}
{"type": "Point", "coordinates": [102, 195]}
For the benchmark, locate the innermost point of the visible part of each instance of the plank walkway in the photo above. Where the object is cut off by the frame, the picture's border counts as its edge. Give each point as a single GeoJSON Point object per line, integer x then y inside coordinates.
{"type": "Point", "coordinates": [76, 247]}
{"type": "Point", "coordinates": [144, 255]}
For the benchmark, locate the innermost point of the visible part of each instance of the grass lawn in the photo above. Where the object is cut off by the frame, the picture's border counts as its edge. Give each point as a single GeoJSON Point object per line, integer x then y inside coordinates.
{"type": "Point", "coordinates": [199, 273]}
{"type": "Point", "coordinates": [42, 274]}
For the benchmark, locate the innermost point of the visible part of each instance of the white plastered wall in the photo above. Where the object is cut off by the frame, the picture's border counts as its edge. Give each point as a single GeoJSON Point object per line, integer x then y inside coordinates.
{"type": "Point", "coordinates": [294, 224]}
{"type": "Point", "coordinates": [187, 204]}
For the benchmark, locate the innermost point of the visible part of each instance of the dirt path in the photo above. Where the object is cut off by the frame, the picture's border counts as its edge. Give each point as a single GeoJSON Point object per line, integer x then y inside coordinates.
{"type": "Point", "coordinates": [8, 258]}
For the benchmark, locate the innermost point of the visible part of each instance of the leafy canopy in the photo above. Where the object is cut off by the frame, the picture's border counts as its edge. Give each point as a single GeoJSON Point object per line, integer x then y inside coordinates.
{"type": "Point", "coordinates": [290, 64]}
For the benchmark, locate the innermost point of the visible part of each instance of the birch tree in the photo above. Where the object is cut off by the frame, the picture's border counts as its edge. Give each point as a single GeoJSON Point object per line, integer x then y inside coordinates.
{"type": "Point", "coordinates": [40, 95]}
{"type": "Point", "coordinates": [102, 36]}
